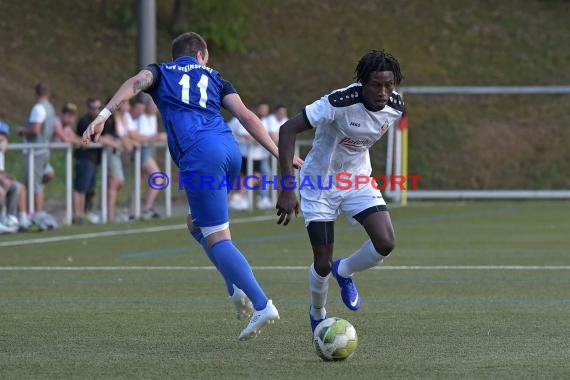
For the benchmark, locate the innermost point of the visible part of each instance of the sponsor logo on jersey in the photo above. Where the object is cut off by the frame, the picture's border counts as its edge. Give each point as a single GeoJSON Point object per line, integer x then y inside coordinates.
{"type": "Point", "coordinates": [354, 124]}
{"type": "Point", "coordinates": [355, 143]}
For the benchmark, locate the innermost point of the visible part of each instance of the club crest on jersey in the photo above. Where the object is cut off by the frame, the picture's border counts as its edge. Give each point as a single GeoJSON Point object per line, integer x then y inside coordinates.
{"type": "Point", "coordinates": [384, 126]}
{"type": "Point", "coordinates": [354, 124]}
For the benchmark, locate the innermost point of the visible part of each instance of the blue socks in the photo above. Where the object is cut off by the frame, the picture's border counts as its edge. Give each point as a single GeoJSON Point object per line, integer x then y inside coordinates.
{"type": "Point", "coordinates": [234, 268]}
{"type": "Point", "coordinates": [197, 235]}
{"type": "Point", "coordinates": [233, 265]}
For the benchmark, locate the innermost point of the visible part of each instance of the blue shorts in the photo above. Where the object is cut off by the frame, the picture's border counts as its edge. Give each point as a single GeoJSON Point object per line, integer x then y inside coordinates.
{"type": "Point", "coordinates": [208, 172]}
{"type": "Point", "coordinates": [147, 152]}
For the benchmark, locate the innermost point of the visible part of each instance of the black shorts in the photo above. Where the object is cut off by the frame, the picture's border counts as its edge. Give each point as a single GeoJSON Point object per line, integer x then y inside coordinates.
{"type": "Point", "coordinates": [85, 174]}
{"type": "Point", "coordinates": [256, 166]}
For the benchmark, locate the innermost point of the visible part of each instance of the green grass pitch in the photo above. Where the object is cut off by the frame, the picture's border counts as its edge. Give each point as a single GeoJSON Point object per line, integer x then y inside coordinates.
{"type": "Point", "coordinates": [477, 314]}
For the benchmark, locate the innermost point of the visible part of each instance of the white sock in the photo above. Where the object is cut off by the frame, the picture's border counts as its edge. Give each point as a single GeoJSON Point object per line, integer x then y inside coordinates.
{"type": "Point", "coordinates": [364, 258]}
{"type": "Point", "coordinates": [319, 287]}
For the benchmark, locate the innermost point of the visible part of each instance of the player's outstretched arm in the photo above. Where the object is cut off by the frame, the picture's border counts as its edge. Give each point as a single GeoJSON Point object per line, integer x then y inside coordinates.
{"type": "Point", "coordinates": [287, 202]}
{"type": "Point", "coordinates": [129, 89]}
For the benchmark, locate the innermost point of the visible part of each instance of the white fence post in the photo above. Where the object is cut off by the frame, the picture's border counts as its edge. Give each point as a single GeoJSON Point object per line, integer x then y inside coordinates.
{"type": "Point", "coordinates": [137, 183]}
{"type": "Point", "coordinates": [31, 193]}
{"type": "Point", "coordinates": [104, 180]}
{"type": "Point", "coordinates": [249, 171]}
{"type": "Point", "coordinates": [168, 190]}
{"type": "Point", "coordinates": [68, 187]}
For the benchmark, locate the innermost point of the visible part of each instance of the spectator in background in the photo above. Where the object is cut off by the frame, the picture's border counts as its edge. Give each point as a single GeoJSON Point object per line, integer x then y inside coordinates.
{"type": "Point", "coordinates": [115, 175]}
{"type": "Point", "coordinates": [5, 223]}
{"type": "Point", "coordinates": [268, 121]}
{"type": "Point", "coordinates": [122, 119]}
{"type": "Point", "coordinates": [39, 129]}
{"type": "Point", "coordinates": [143, 129]}
{"type": "Point", "coordinates": [64, 127]}
{"type": "Point", "coordinates": [260, 158]}
{"type": "Point", "coordinates": [12, 193]}
{"type": "Point", "coordinates": [237, 199]}
{"type": "Point", "coordinates": [254, 151]}
{"type": "Point", "coordinates": [4, 132]}
{"type": "Point", "coordinates": [86, 161]}
{"type": "Point", "coordinates": [236, 128]}
{"type": "Point", "coordinates": [13, 208]}
{"type": "Point", "coordinates": [280, 117]}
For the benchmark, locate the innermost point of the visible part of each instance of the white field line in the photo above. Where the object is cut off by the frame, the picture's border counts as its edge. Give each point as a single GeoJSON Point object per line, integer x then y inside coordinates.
{"type": "Point", "coordinates": [281, 268]}
{"type": "Point", "coordinates": [144, 230]}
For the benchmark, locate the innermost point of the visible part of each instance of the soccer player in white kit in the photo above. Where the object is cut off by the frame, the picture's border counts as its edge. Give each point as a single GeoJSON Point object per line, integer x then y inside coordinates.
{"type": "Point", "coordinates": [348, 122]}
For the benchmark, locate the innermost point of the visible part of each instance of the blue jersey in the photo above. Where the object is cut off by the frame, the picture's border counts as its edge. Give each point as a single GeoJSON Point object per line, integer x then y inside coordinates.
{"type": "Point", "coordinates": [189, 97]}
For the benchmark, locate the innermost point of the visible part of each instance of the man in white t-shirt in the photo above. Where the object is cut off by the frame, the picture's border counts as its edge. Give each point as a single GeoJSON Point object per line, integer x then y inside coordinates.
{"type": "Point", "coordinates": [270, 124]}
{"type": "Point", "coordinates": [238, 200]}
{"type": "Point", "coordinates": [39, 129]}
{"type": "Point", "coordinates": [142, 127]}
{"type": "Point", "coordinates": [260, 157]}
{"type": "Point", "coordinates": [348, 122]}
{"type": "Point", "coordinates": [276, 120]}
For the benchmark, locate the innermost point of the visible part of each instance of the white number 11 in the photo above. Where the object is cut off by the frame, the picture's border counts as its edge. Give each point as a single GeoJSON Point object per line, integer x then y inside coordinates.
{"type": "Point", "coordinates": [202, 85]}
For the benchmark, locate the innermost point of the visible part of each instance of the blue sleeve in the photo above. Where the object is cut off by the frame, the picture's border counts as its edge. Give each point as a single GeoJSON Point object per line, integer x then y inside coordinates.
{"type": "Point", "coordinates": [155, 71]}
{"type": "Point", "coordinates": [227, 88]}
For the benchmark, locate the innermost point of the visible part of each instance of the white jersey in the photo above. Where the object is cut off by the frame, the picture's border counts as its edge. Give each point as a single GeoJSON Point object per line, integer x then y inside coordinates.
{"type": "Point", "coordinates": [145, 125]}
{"type": "Point", "coordinates": [345, 130]}
{"type": "Point", "coordinates": [238, 131]}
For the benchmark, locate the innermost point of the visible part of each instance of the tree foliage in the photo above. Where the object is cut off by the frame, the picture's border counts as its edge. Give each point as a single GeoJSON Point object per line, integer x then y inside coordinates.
{"type": "Point", "coordinates": [221, 23]}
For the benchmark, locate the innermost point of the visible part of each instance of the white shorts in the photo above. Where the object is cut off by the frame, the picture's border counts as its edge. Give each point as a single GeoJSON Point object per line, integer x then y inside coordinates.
{"type": "Point", "coordinates": [332, 203]}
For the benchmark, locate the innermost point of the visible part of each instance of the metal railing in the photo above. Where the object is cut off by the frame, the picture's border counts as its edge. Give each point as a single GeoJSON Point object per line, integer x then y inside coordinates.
{"type": "Point", "coordinates": [394, 164]}
{"type": "Point", "coordinates": [68, 147]}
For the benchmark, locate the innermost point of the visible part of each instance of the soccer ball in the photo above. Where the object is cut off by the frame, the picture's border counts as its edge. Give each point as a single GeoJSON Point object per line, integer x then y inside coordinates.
{"type": "Point", "coordinates": [335, 339]}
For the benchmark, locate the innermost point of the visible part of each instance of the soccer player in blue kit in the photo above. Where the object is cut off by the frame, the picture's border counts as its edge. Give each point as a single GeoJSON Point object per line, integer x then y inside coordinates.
{"type": "Point", "coordinates": [189, 96]}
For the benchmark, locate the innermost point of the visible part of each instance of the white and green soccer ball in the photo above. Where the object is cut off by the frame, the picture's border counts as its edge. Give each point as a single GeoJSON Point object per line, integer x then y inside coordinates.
{"type": "Point", "coordinates": [335, 339]}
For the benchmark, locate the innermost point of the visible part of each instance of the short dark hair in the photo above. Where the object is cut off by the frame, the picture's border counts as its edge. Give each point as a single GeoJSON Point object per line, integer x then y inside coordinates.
{"type": "Point", "coordinates": [188, 44]}
{"type": "Point", "coordinates": [139, 99]}
{"type": "Point", "coordinates": [92, 99]}
{"type": "Point", "coordinates": [42, 89]}
{"type": "Point", "coordinates": [377, 61]}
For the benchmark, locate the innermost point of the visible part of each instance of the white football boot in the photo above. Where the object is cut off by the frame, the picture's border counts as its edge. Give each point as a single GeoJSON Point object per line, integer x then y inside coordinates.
{"type": "Point", "coordinates": [244, 307]}
{"type": "Point", "coordinates": [260, 318]}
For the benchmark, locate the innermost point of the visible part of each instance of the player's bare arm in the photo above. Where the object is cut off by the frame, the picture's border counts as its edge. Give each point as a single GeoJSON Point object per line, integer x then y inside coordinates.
{"type": "Point", "coordinates": [287, 203]}
{"type": "Point", "coordinates": [128, 90]}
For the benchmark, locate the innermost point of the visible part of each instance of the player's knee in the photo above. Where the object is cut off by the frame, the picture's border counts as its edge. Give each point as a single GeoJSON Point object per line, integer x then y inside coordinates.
{"type": "Point", "coordinates": [384, 245]}
{"type": "Point", "coordinates": [322, 258]}
{"type": "Point", "coordinates": [323, 267]}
